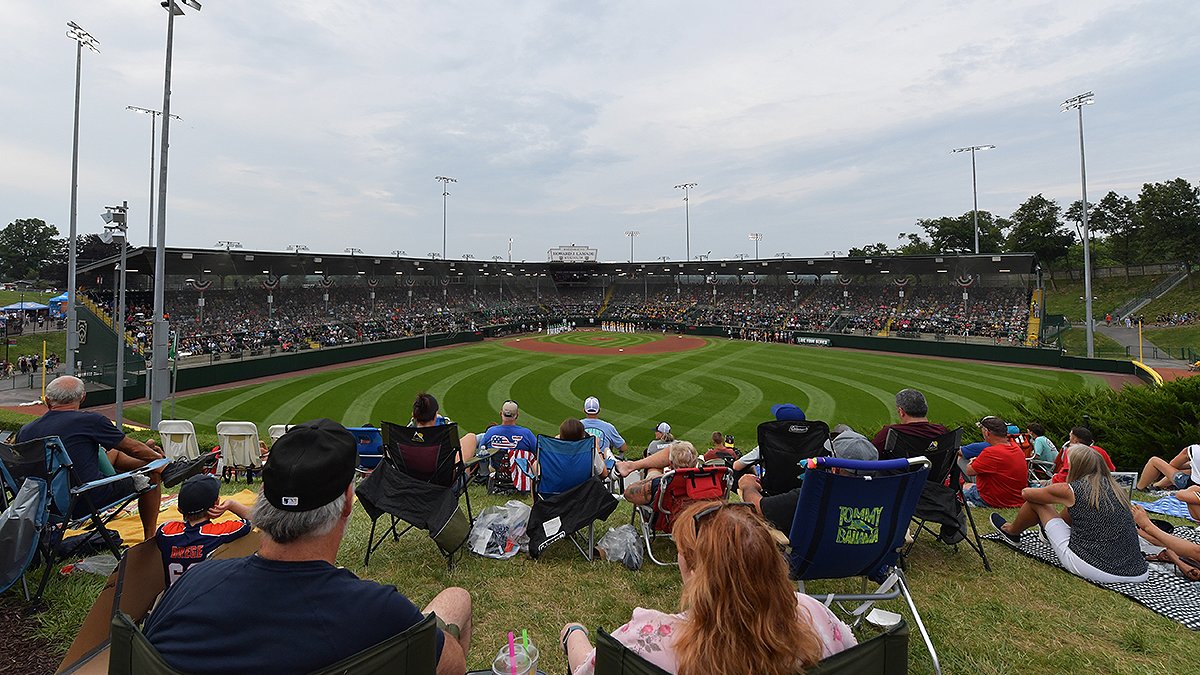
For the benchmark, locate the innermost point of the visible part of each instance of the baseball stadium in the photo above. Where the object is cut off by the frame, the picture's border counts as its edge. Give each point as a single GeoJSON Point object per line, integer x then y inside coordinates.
{"type": "Point", "coordinates": [693, 380]}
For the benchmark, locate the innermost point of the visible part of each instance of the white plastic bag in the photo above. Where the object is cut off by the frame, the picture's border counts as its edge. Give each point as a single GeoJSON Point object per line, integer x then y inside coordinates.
{"type": "Point", "coordinates": [621, 544]}
{"type": "Point", "coordinates": [499, 531]}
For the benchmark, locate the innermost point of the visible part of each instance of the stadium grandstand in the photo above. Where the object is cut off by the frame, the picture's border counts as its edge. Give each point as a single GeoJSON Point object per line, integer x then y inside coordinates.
{"type": "Point", "coordinates": [251, 303]}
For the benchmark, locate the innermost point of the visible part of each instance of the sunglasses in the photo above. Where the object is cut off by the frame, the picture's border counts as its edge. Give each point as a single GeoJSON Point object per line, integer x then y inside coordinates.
{"type": "Point", "coordinates": [709, 510]}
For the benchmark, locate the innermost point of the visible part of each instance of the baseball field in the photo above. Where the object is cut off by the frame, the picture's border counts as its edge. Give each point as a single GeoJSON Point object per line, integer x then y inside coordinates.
{"type": "Point", "coordinates": [698, 385]}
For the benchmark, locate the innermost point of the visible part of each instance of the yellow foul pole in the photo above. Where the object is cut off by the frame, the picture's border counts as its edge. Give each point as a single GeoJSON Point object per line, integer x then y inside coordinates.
{"type": "Point", "coordinates": [1140, 341]}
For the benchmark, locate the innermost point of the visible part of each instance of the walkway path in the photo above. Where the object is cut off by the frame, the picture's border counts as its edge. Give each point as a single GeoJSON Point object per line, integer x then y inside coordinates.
{"type": "Point", "coordinates": [1128, 337]}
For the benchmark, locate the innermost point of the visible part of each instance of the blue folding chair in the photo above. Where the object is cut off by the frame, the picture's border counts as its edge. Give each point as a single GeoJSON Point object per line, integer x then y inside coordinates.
{"type": "Point", "coordinates": [854, 525]}
{"type": "Point", "coordinates": [370, 447]}
{"type": "Point", "coordinates": [46, 459]}
{"type": "Point", "coordinates": [566, 497]}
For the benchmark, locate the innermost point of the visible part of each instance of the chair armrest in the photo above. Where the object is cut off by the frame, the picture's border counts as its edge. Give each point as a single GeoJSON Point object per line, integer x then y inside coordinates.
{"type": "Point", "coordinates": [152, 466]}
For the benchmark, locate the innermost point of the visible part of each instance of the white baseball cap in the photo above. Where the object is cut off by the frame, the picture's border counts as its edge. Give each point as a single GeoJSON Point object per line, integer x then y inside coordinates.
{"type": "Point", "coordinates": [591, 405]}
{"type": "Point", "coordinates": [663, 428]}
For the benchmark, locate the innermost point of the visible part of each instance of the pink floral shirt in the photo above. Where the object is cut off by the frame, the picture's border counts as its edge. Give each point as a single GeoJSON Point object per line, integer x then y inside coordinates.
{"type": "Point", "coordinates": [651, 634]}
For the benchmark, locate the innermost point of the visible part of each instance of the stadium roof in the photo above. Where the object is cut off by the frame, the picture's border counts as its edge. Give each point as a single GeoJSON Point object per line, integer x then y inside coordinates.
{"type": "Point", "coordinates": [199, 263]}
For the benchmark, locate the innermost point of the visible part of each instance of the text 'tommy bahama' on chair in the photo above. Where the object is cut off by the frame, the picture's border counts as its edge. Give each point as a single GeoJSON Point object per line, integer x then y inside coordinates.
{"type": "Point", "coordinates": [854, 526]}
{"type": "Point", "coordinates": [566, 497]}
{"type": "Point", "coordinates": [419, 481]}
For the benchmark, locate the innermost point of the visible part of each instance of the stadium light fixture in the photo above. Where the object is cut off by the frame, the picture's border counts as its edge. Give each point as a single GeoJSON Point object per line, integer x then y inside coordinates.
{"type": "Point", "coordinates": [632, 234]}
{"type": "Point", "coordinates": [352, 250]}
{"type": "Point", "coordinates": [229, 244]}
{"type": "Point", "coordinates": [82, 39]}
{"type": "Point", "coordinates": [398, 253]}
{"type": "Point", "coordinates": [158, 376]}
{"type": "Point", "coordinates": [783, 254]}
{"type": "Point", "coordinates": [756, 237]}
{"type": "Point", "coordinates": [297, 247]}
{"type": "Point", "coordinates": [154, 115]}
{"type": "Point", "coordinates": [741, 256]}
{"type": "Point", "coordinates": [445, 181]}
{"type": "Point", "coordinates": [1077, 103]}
{"type": "Point", "coordinates": [497, 258]}
{"type": "Point", "coordinates": [974, 191]}
{"type": "Point", "coordinates": [687, 218]}
{"type": "Point", "coordinates": [116, 225]}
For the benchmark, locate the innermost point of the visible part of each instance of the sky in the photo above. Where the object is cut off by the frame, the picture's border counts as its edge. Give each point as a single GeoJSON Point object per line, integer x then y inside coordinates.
{"type": "Point", "coordinates": [822, 126]}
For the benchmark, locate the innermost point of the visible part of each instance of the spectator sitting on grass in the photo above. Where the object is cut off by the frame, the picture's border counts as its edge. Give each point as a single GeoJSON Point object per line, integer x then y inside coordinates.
{"type": "Point", "coordinates": [1000, 471]}
{"type": "Point", "coordinates": [748, 595]}
{"type": "Point", "coordinates": [1175, 550]}
{"type": "Point", "coordinates": [1094, 536]}
{"type": "Point", "coordinates": [681, 454]}
{"type": "Point", "coordinates": [1178, 473]}
{"type": "Point", "coordinates": [297, 611]}
{"type": "Point", "coordinates": [187, 542]}
{"type": "Point", "coordinates": [1078, 436]}
{"type": "Point", "coordinates": [719, 449]}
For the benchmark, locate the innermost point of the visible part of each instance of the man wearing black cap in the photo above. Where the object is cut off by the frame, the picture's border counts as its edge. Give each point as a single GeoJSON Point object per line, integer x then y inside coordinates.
{"type": "Point", "coordinates": [187, 542]}
{"type": "Point", "coordinates": [298, 612]}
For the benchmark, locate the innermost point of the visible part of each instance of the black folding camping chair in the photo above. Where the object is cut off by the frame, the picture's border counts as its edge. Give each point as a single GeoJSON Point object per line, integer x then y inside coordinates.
{"type": "Point", "coordinates": [420, 480]}
{"type": "Point", "coordinates": [783, 446]}
{"type": "Point", "coordinates": [942, 502]}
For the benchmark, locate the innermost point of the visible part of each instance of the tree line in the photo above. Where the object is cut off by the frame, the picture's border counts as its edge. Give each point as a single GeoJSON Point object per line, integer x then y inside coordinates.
{"type": "Point", "coordinates": [32, 250]}
{"type": "Point", "coordinates": [1161, 225]}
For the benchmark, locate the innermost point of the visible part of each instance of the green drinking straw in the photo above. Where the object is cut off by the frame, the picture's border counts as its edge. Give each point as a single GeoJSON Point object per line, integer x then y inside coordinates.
{"type": "Point", "coordinates": [525, 639]}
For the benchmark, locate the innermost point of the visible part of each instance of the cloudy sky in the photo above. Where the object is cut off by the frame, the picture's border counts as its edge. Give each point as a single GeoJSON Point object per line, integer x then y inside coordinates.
{"type": "Point", "coordinates": [821, 125]}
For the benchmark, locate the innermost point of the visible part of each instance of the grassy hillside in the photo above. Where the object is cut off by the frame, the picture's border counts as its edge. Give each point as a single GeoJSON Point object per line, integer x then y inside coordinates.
{"type": "Point", "coordinates": [1066, 297]}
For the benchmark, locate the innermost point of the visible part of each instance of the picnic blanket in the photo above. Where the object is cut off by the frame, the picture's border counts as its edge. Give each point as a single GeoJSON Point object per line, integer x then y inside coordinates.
{"type": "Point", "coordinates": [1164, 592]}
{"type": "Point", "coordinates": [1168, 506]}
{"type": "Point", "coordinates": [130, 526]}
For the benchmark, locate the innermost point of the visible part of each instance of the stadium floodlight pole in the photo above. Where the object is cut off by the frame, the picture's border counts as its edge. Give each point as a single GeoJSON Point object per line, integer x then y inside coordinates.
{"type": "Point", "coordinates": [445, 181]}
{"type": "Point", "coordinates": [632, 234]}
{"type": "Point", "coordinates": [974, 189]}
{"type": "Point", "coordinates": [116, 225]}
{"type": "Point", "coordinates": [159, 376]}
{"type": "Point", "coordinates": [1077, 103]}
{"type": "Point", "coordinates": [154, 115]}
{"type": "Point", "coordinates": [756, 237]}
{"type": "Point", "coordinates": [82, 39]}
{"type": "Point", "coordinates": [687, 219]}
{"type": "Point", "coordinates": [510, 249]}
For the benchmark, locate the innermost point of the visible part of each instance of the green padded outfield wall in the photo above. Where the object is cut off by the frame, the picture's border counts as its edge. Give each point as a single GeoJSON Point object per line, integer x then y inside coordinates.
{"type": "Point", "coordinates": [97, 357]}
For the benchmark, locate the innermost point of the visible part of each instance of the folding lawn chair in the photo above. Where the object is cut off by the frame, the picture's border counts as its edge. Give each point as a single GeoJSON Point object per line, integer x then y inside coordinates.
{"type": "Point", "coordinates": [676, 490]}
{"type": "Point", "coordinates": [178, 438]}
{"type": "Point", "coordinates": [942, 502]}
{"type": "Point", "coordinates": [370, 447]}
{"type": "Point", "coordinates": [240, 452]}
{"type": "Point", "coordinates": [566, 497]}
{"type": "Point", "coordinates": [883, 654]}
{"type": "Point", "coordinates": [47, 460]}
{"type": "Point", "coordinates": [783, 446]}
{"type": "Point", "coordinates": [419, 481]}
{"type": "Point", "coordinates": [21, 525]}
{"type": "Point", "coordinates": [413, 651]}
{"type": "Point", "coordinates": [276, 431]}
{"type": "Point", "coordinates": [854, 525]}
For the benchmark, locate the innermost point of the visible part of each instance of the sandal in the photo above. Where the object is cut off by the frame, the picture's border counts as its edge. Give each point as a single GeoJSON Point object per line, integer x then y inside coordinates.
{"type": "Point", "coordinates": [1162, 556]}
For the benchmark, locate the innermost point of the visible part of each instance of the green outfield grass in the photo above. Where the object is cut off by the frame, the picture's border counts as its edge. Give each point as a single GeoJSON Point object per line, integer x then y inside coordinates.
{"type": "Point", "coordinates": [725, 386]}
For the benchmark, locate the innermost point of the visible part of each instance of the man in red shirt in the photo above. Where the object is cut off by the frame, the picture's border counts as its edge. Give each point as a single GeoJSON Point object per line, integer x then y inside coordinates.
{"type": "Point", "coordinates": [1082, 436]}
{"type": "Point", "coordinates": [999, 471]}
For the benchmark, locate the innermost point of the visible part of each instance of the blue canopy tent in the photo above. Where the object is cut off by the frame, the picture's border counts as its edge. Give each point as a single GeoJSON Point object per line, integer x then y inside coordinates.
{"type": "Point", "coordinates": [58, 305]}
{"type": "Point", "coordinates": [27, 306]}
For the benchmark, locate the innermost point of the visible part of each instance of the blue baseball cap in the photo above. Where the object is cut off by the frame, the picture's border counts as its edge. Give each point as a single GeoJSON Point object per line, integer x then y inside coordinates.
{"type": "Point", "coordinates": [787, 411]}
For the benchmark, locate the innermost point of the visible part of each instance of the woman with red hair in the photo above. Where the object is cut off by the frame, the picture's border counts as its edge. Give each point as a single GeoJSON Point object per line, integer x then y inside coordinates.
{"type": "Point", "coordinates": [765, 627]}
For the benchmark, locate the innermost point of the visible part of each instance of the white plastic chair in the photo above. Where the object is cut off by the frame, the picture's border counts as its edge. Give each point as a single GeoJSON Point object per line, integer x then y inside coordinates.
{"type": "Point", "coordinates": [239, 446]}
{"type": "Point", "coordinates": [178, 438]}
{"type": "Point", "coordinates": [275, 431]}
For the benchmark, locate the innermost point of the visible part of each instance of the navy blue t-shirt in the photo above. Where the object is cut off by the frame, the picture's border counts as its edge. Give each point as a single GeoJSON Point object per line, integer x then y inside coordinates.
{"type": "Point", "coordinates": [267, 616]}
{"type": "Point", "coordinates": [81, 433]}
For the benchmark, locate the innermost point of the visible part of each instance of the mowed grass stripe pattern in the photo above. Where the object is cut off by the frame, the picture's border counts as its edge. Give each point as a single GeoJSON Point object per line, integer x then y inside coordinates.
{"type": "Point", "coordinates": [601, 339]}
{"type": "Point", "coordinates": [725, 386]}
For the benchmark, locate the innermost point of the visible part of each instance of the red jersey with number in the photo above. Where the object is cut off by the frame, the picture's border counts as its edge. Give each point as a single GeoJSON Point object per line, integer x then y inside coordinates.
{"type": "Point", "coordinates": [184, 545]}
